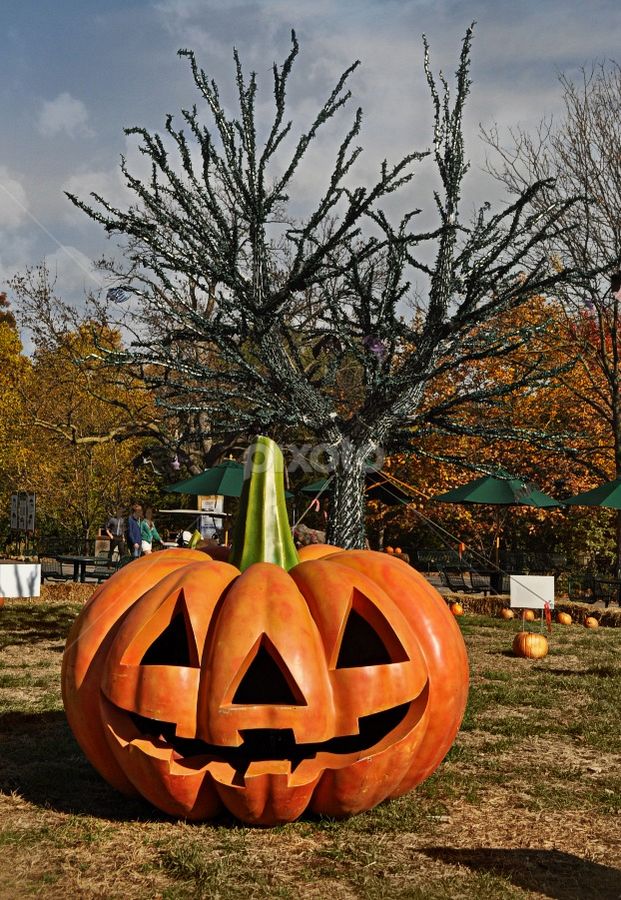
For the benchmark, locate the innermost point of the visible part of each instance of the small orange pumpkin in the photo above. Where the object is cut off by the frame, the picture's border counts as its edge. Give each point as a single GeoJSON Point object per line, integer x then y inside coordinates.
{"type": "Point", "coordinates": [398, 551]}
{"type": "Point", "coordinates": [317, 551]}
{"type": "Point", "coordinates": [506, 613]}
{"type": "Point", "coordinates": [457, 609]}
{"type": "Point", "coordinates": [530, 645]}
{"type": "Point", "coordinates": [265, 686]}
{"type": "Point", "coordinates": [563, 618]}
{"type": "Point", "coordinates": [528, 615]}
{"type": "Point", "coordinates": [591, 622]}
{"type": "Point", "coordinates": [389, 549]}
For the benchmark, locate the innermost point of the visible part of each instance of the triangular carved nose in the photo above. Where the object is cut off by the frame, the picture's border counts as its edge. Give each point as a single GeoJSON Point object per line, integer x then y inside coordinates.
{"type": "Point", "coordinates": [267, 680]}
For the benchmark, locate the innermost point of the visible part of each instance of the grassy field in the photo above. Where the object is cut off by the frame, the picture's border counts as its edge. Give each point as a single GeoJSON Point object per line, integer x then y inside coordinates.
{"type": "Point", "coordinates": [527, 804]}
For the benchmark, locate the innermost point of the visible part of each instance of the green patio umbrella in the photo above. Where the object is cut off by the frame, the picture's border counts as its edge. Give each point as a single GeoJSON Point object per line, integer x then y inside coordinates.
{"type": "Point", "coordinates": [607, 495]}
{"type": "Point", "coordinates": [499, 491]}
{"type": "Point", "coordinates": [226, 479]}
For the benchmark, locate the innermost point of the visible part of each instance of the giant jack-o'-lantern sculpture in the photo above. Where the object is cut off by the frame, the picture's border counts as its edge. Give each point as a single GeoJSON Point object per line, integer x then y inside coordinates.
{"type": "Point", "coordinates": [265, 685]}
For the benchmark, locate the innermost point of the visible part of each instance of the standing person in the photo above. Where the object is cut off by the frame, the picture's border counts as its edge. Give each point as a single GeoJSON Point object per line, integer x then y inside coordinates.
{"type": "Point", "coordinates": [148, 531]}
{"type": "Point", "coordinates": [115, 529]}
{"type": "Point", "coordinates": [133, 530]}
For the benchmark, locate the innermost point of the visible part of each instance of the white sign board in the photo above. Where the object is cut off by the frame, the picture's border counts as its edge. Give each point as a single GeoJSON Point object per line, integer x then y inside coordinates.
{"type": "Point", "coordinates": [214, 505]}
{"type": "Point", "coordinates": [20, 579]}
{"type": "Point", "coordinates": [532, 591]}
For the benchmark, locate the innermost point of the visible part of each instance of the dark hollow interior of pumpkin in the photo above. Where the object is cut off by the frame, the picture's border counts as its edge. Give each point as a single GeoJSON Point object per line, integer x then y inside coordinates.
{"type": "Point", "coordinates": [274, 743]}
{"type": "Point", "coordinates": [361, 645]}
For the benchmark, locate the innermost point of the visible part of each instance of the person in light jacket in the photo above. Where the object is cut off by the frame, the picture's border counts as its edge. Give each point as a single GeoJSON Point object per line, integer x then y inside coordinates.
{"type": "Point", "coordinates": [148, 531]}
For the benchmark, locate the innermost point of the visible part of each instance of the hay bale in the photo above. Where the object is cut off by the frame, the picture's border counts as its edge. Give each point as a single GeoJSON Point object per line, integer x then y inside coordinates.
{"type": "Point", "coordinates": [491, 606]}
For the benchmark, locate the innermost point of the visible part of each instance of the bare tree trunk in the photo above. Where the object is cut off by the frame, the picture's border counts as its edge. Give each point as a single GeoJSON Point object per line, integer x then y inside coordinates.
{"type": "Point", "coordinates": [346, 526]}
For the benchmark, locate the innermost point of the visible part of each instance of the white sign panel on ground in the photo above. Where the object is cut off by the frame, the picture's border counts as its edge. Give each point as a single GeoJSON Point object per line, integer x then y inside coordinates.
{"type": "Point", "coordinates": [19, 579]}
{"type": "Point", "coordinates": [532, 591]}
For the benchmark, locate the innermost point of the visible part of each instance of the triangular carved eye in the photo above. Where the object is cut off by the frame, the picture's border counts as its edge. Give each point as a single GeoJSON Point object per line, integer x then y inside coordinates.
{"type": "Point", "coordinates": [267, 680]}
{"type": "Point", "coordinates": [368, 639]}
{"type": "Point", "coordinates": [175, 646]}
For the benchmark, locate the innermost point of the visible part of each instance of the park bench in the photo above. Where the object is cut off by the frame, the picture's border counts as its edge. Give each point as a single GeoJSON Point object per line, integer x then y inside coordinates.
{"type": "Point", "coordinates": [481, 584]}
{"type": "Point", "coordinates": [592, 588]}
{"type": "Point", "coordinates": [52, 570]}
{"type": "Point", "coordinates": [456, 582]}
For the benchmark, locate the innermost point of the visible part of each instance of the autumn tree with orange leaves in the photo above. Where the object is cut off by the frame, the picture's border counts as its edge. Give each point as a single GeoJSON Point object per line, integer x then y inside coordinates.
{"type": "Point", "coordinates": [580, 154]}
{"type": "Point", "coordinates": [543, 435]}
{"type": "Point", "coordinates": [52, 415]}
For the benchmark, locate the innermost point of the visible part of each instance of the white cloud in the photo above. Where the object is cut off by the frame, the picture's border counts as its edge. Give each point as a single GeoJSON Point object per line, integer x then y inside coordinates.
{"type": "Point", "coordinates": [72, 272]}
{"type": "Point", "coordinates": [64, 113]}
{"type": "Point", "coordinates": [14, 204]}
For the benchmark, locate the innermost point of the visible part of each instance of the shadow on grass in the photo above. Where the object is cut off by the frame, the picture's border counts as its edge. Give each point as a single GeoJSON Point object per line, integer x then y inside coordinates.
{"type": "Point", "coordinates": [29, 624]}
{"type": "Point", "coordinates": [552, 873]}
{"type": "Point", "coordinates": [42, 762]}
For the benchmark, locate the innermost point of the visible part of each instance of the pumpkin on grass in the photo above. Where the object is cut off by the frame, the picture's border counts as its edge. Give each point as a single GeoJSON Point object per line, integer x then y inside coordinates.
{"type": "Point", "coordinates": [528, 615]}
{"type": "Point", "coordinates": [265, 685]}
{"type": "Point", "coordinates": [506, 613]}
{"type": "Point", "coordinates": [591, 622]}
{"type": "Point", "coordinates": [530, 645]}
{"type": "Point", "coordinates": [563, 618]}
{"type": "Point", "coordinates": [457, 609]}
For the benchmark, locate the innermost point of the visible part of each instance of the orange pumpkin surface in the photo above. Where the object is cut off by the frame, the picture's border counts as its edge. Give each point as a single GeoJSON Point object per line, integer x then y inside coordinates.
{"type": "Point", "coordinates": [591, 622]}
{"type": "Point", "coordinates": [457, 609]}
{"type": "Point", "coordinates": [333, 686]}
{"type": "Point", "coordinates": [530, 645]}
{"type": "Point", "coordinates": [528, 615]}
{"type": "Point", "coordinates": [563, 618]}
{"type": "Point", "coordinates": [204, 686]}
{"type": "Point", "coordinates": [506, 613]}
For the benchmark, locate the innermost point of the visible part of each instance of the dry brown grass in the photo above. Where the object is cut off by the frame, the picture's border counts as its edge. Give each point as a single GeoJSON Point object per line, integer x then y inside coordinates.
{"type": "Point", "coordinates": [526, 805]}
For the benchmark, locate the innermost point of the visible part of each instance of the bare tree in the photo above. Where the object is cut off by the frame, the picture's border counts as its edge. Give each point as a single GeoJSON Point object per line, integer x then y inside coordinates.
{"type": "Point", "coordinates": [581, 156]}
{"type": "Point", "coordinates": [242, 315]}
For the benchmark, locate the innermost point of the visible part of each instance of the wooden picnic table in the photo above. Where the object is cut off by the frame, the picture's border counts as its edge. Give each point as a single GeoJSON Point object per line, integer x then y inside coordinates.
{"type": "Point", "coordinates": [79, 564]}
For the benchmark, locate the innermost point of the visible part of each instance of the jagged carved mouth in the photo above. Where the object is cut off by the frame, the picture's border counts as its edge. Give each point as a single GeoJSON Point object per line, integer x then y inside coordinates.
{"type": "Point", "coordinates": [261, 744]}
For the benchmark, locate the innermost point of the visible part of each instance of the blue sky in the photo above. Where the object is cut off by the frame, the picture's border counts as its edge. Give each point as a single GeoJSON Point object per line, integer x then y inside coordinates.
{"type": "Point", "coordinates": [73, 73]}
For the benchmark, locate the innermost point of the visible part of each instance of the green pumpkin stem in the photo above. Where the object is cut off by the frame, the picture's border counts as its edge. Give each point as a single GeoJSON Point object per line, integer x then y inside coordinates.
{"type": "Point", "coordinates": [262, 531]}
